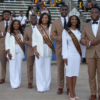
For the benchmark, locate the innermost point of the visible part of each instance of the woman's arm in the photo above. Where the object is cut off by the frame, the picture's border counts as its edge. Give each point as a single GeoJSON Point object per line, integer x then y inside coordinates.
{"type": "Point", "coordinates": [64, 47]}
{"type": "Point", "coordinates": [34, 42]}
{"type": "Point", "coordinates": [35, 51]}
{"type": "Point", "coordinates": [7, 46]}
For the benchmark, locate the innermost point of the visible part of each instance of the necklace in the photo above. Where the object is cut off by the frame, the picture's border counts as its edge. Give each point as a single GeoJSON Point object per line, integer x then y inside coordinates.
{"type": "Point", "coordinates": [16, 31]}
{"type": "Point", "coordinates": [44, 26]}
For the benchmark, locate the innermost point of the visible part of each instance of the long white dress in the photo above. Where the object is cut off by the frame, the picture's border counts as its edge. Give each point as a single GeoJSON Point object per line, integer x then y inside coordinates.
{"type": "Point", "coordinates": [70, 53]}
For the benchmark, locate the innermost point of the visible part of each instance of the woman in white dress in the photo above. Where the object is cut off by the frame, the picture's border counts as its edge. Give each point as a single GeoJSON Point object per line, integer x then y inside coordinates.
{"type": "Point", "coordinates": [14, 53]}
{"type": "Point", "coordinates": [70, 54]}
{"type": "Point", "coordinates": [29, 13]}
{"type": "Point", "coordinates": [43, 53]}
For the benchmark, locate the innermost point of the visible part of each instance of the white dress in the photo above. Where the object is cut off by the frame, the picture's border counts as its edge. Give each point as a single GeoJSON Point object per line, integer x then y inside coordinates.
{"type": "Point", "coordinates": [70, 53]}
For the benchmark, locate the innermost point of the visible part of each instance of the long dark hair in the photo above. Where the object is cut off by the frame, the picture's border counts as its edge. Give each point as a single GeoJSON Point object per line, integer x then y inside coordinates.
{"type": "Point", "coordinates": [12, 28]}
{"type": "Point", "coordinates": [27, 13]}
{"type": "Point", "coordinates": [49, 19]}
{"type": "Point", "coordinates": [78, 22]}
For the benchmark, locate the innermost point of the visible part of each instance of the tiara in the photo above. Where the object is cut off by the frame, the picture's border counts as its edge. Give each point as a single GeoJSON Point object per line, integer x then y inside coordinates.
{"type": "Point", "coordinates": [74, 12]}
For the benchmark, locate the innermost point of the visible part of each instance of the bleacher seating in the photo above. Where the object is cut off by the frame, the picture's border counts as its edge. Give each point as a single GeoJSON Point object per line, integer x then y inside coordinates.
{"type": "Point", "coordinates": [23, 5]}
{"type": "Point", "coordinates": [86, 14]}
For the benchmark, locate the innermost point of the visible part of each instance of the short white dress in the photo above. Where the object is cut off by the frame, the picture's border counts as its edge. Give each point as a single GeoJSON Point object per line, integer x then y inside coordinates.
{"type": "Point", "coordinates": [70, 53]}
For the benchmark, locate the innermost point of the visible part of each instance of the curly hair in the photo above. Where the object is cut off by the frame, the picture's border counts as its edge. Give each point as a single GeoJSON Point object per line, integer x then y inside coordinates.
{"type": "Point", "coordinates": [12, 28]}
{"type": "Point", "coordinates": [49, 19]}
{"type": "Point", "coordinates": [78, 22]}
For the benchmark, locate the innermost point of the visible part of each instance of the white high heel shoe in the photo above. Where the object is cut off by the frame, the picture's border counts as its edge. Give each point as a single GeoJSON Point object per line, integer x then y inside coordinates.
{"type": "Point", "coordinates": [71, 98]}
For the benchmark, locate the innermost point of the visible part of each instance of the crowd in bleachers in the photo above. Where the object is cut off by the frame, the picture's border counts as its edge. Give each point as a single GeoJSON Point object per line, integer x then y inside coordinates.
{"type": "Point", "coordinates": [88, 4]}
{"type": "Point", "coordinates": [53, 3]}
{"type": "Point", "coordinates": [38, 10]}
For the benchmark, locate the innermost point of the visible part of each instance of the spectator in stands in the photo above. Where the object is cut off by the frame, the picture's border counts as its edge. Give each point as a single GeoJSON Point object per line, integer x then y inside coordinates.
{"type": "Point", "coordinates": [14, 15]}
{"type": "Point", "coordinates": [1, 18]}
{"type": "Point", "coordinates": [38, 4]}
{"type": "Point", "coordinates": [41, 8]}
{"type": "Point", "coordinates": [80, 4]}
{"type": "Point", "coordinates": [95, 3]}
{"type": "Point", "coordinates": [59, 2]}
{"type": "Point", "coordinates": [22, 19]}
{"type": "Point", "coordinates": [48, 2]}
{"type": "Point", "coordinates": [38, 17]}
{"type": "Point", "coordinates": [34, 1]}
{"type": "Point", "coordinates": [46, 9]}
{"type": "Point", "coordinates": [32, 7]}
{"type": "Point", "coordinates": [29, 13]}
{"type": "Point", "coordinates": [88, 5]}
{"type": "Point", "coordinates": [53, 3]}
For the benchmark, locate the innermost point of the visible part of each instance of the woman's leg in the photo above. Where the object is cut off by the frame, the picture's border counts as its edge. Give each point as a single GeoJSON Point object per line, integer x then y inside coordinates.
{"type": "Point", "coordinates": [70, 85]}
{"type": "Point", "coordinates": [74, 84]}
{"type": "Point", "coordinates": [40, 80]}
{"type": "Point", "coordinates": [12, 72]}
{"type": "Point", "coordinates": [47, 73]}
{"type": "Point", "coordinates": [18, 68]}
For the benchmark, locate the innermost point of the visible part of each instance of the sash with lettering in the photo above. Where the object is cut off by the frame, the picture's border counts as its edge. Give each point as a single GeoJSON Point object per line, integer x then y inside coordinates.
{"type": "Point", "coordinates": [75, 41]}
{"type": "Point", "coordinates": [19, 41]}
{"type": "Point", "coordinates": [45, 37]}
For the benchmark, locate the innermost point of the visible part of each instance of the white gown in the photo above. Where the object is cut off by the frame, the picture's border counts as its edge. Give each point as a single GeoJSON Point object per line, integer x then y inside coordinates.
{"type": "Point", "coordinates": [70, 53]}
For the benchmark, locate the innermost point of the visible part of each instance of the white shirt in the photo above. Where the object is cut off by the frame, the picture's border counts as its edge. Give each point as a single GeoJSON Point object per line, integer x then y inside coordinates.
{"type": "Point", "coordinates": [30, 13]}
{"type": "Point", "coordinates": [95, 28]}
{"type": "Point", "coordinates": [5, 22]}
{"type": "Point", "coordinates": [62, 20]}
{"type": "Point", "coordinates": [32, 27]}
{"type": "Point", "coordinates": [5, 26]}
{"type": "Point", "coordinates": [38, 19]}
{"type": "Point", "coordinates": [22, 19]}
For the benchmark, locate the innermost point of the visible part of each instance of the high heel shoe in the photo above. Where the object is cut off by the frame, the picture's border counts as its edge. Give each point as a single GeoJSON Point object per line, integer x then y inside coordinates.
{"type": "Point", "coordinates": [71, 98]}
{"type": "Point", "coordinates": [77, 98]}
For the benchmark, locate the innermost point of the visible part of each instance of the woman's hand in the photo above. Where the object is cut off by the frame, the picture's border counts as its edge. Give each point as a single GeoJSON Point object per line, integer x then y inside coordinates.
{"type": "Point", "coordinates": [10, 56]}
{"type": "Point", "coordinates": [37, 54]}
{"type": "Point", "coordinates": [66, 62]}
{"type": "Point", "coordinates": [54, 34]}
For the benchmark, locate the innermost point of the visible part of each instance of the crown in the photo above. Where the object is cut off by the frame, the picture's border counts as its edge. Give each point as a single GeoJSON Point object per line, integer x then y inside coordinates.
{"type": "Point", "coordinates": [74, 12]}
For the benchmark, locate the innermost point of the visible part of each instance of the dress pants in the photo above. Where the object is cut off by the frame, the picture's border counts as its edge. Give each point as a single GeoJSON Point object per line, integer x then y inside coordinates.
{"type": "Point", "coordinates": [3, 63]}
{"type": "Point", "coordinates": [93, 67]}
{"type": "Point", "coordinates": [43, 71]}
{"type": "Point", "coordinates": [60, 69]}
{"type": "Point", "coordinates": [30, 62]}
{"type": "Point", "coordinates": [15, 68]}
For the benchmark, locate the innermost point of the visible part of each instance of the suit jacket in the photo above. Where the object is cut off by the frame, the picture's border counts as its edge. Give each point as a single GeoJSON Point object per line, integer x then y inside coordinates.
{"type": "Point", "coordinates": [28, 32]}
{"type": "Point", "coordinates": [37, 40]}
{"type": "Point", "coordinates": [87, 32]}
{"type": "Point", "coordinates": [2, 38]}
{"type": "Point", "coordinates": [58, 28]}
